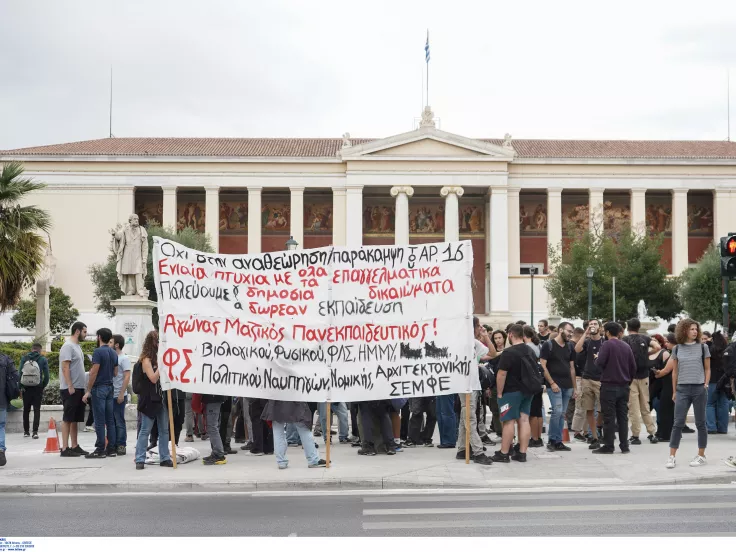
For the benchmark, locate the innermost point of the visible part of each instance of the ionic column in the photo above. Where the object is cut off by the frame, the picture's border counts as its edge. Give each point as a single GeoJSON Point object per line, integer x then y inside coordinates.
{"type": "Point", "coordinates": [514, 232]}
{"type": "Point", "coordinates": [500, 250]}
{"type": "Point", "coordinates": [338, 215]}
{"type": "Point", "coordinates": [554, 221]}
{"type": "Point", "coordinates": [169, 207]}
{"type": "Point", "coordinates": [212, 214]}
{"type": "Point", "coordinates": [297, 214]}
{"type": "Point", "coordinates": [402, 195]}
{"type": "Point", "coordinates": [638, 211]}
{"type": "Point", "coordinates": [452, 212]}
{"type": "Point", "coordinates": [354, 211]}
{"type": "Point", "coordinates": [679, 231]}
{"type": "Point", "coordinates": [722, 213]}
{"type": "Point", "coordinates": [595, 207]}
{"type": "Point", "coordinates": [254, 219]}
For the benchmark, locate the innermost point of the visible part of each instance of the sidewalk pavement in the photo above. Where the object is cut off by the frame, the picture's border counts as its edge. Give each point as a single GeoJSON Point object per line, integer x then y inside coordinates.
{"type": "Point", "coordinates": [29, 470]}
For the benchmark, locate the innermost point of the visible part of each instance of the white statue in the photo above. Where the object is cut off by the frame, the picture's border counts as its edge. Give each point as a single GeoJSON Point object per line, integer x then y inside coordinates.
{"type": "Point", "coordinates": [346, 143]}
{"type": "Point", "coordinates": [43, 291]}
{"type": "Point", "coordinates": [130, 244]}
{"type": "Point", "coordinates": [427, 118]}
{"type": "Point", "coordinates": [507, 141]}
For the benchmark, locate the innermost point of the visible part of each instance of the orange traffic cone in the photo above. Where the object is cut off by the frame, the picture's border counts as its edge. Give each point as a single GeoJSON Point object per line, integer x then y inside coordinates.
{"type": "Point", "coordinates": [52, 439]}
{"type": "Point", "coordinates": [565, 434]}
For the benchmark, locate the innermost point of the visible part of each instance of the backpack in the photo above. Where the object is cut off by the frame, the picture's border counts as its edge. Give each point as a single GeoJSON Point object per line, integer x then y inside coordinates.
{"type": "Point", "coordinates": [137, 378]}
{"type": "Point", "coordinates": [31, 374]}
{"type": "Point", "coordinates": [12, 381]}
{"type": "Point", "coordinates": [640, 350]}
{"type": "Point", "coordinates": [487, 377]}
{"type": "Point", "coordinates": [529, 377]}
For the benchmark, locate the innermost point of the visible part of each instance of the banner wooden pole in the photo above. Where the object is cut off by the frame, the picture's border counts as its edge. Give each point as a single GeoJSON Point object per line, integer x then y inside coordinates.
{"type": "Point", "coordinates": [328, 436]}
{"type": "Point", "coordinates": [467, 428]}
{"type": "Point", "coordinates": [171, 431]}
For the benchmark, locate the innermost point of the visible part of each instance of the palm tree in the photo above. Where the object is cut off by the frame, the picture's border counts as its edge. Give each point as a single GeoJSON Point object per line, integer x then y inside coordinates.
{"type": "Point", "coordinates": [22, 247]}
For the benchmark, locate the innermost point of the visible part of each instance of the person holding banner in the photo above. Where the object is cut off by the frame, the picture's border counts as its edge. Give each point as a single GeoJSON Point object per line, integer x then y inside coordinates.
{"type": "Point", "coordinates": [152, 406]}
{"type": "Point", "coordinates": [280, 413]}
{"type": "Point", "coordinates": [212, 406]}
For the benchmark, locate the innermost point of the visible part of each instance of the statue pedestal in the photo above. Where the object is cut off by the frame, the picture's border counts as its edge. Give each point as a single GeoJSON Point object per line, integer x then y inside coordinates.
{"type": "Point", "coordinates": [133, 321]}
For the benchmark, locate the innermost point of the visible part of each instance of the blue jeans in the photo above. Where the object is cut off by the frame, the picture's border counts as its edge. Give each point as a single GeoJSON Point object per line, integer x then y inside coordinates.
{"type": "Point", "coordinates": [446, 419]}
{"type": "Point", "coordinates": [102, 400]}
{"type": "Point", "coordinates": [162, 420]}
{"type": "Point", "coordinates": [280, 445]}
{"type": "Point", "coordinates": [121, 432]}
{"type": "Point", "coordinates": [292, 435]}
{"type": "Point", "coordinates": [559, 407]}
{"type": "Point", "coordinates": [716, 410]}
{"type": "Point", "coordinates": [3, 419]}
{"type": "Point", "coordinates": [342, 418]}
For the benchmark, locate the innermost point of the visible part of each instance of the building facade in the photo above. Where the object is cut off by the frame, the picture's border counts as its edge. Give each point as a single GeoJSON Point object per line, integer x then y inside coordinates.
{"type": "Point", "coordinates": [512, 198]}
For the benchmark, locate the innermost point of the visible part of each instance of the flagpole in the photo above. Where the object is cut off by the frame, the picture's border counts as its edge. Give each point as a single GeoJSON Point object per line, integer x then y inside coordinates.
{"type": "Point", "coordinates": [427, 66]}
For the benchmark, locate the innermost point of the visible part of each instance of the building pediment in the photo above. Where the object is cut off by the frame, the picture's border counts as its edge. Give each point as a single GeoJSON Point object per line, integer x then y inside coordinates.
{"type": "Point", "coordinates": [427, 144]}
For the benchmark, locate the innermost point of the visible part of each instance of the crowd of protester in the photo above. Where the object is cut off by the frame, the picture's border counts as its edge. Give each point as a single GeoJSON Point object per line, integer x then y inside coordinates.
{"type": "Point", "coordinates": [601, 380]}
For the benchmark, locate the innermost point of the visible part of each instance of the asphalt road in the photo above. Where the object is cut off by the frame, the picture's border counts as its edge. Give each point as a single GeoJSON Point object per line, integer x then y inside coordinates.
{"type": "Point", "coordinates": [704, 510]}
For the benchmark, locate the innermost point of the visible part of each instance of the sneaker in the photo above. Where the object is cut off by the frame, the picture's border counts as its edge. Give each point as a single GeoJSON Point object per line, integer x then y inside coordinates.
{"type": "Point", "coordinates": [344, 441]}
{"type": "Point", "coordinates": [551, 446]}
{"type": "Point", "coordinates": [317, 432]}
{"type": "Point", "coordinates": [399, 448]}
{"type": "Point", "coordinates": [355, 444]}
{"type": "Point", "coordinates": [688, 429]}
{"type": "Point", "coordinates": [121, 450]}
{"type": "Point", "coordinates": [429, 444]}
{"type": "Point", "coordinates": [96, 455]}
{"type": "Point", "coordinates": [333, 432]}
{"type": "Point", "coordinates": [730, 462]}
{"type": "Point", "coordinates": [460, 455]}
{"type": "Point", "coordinates": [26, 434]}
{"type": "Point", "coordinates": [488, 441]}
{"type": "Point", "coordinates": [247, 446]}
{"type": "Point", "coordinates": [140, 465]}
{"type": "Point", "coordinates": [35, 435]}
{"type": "Point", "coordinates": [391, 451]}
{"type": "Point", "coordinates": [205, 437]}
{"type": "Point", "coordinates": [410, 444]}
{"type": "Point", "coordinates": [603, 450]}
{"type": "Point", "coordinates": [441, 446]}
{"type": "Point", "coordinates": [89, 429]}
{"type": "Point", "coordinates": [634, 440]}
{"type": "Point", "coordinates": [536, 443]}
{"type": "Point", "coordinates": [625, 450]}
{"type": "Point", "coordinates": [560, 446]}
{"type": "Point", "coordinates": [69, 453]}
{"type": "Point", "coordinates": [594, 445]}
{"type": "Point", "coordinates": [653, 439]}
{"type": "Point", "coordinates": [166, 464]}
{"type": "Point", "coordinates": [80, 451]}
{"type": "Point", "coordinates": [320, 464]}
{"type": "Point", "coordinates": [519, 456]}
{"type": "Point", "coordinates": [670, 463]}
{"type": "Point", "coordinates": [499, 456]}
{"type": "Point", "coordinates": [3, 460]}
{"type": "Point", "coordinates": [698, 461]}
{"type": "Point", "coordinates": [580, 438]}
{"type": "Point", "coordinates": [482, 459]}
{"type": "Point", "coordinates": [112, 453]}
{"type": "Point", "coordinates": [283, 466]}
{"type": "Point", "coordinates": [213, 460]}
{"type": "Point", "coordinates": [251, 453]}
{"type": "Point", "coordinates": [367, 451]}
{"type": "Point", "coordinates": [190, 439]}
{"type": "Point", "coordinates": [229, 450]}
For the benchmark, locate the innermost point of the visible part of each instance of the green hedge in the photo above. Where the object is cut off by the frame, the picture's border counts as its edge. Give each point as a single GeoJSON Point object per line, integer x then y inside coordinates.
{"type": "Point", "coordinates": [16, 349]}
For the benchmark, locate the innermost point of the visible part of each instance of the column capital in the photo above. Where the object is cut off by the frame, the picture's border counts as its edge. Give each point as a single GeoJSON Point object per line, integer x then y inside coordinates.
{"type": "Point", "coordinates": [354, 188]}
{"type": "Point", "coordinates": [297, 189]}
{"type": "Point", "coordinates": [499, 191]}
{"type": "Point", "coordinates": [600, 191]}
{"type": "Point", "coordinates": [396, 190]}
{"type": "Point", "coordinates": [679, 191]}
{"type": "Point", "coordinates": [212, 188]}
{"type": "Point", "coordinates": [255, 188]}
{"type": "Point", "coordinates": [554, 191]}
{"type": "Point", "coordinates": [641, 191]}
{"type": "Point", "coordinates": [457, 190]}
{"type": "Point", "coordinates": [514, 190]}
{"type": "Point", "coordinates": [169, 188]}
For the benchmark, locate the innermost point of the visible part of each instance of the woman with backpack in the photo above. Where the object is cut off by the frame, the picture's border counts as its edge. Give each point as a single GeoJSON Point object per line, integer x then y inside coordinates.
{"type": "Point", "coordinates": [34, 377]}
{"type": "Point", "coordinates": [690, 367]}
{"type": "Point", "coordinates": [151, 404]}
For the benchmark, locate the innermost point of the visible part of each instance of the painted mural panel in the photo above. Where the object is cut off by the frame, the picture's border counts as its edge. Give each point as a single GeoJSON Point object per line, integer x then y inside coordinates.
{"type": "Point", "coordinates": [233, 216]}
{"type": "Point", "coordinates": [659, 214]}
{"type": "Point", "coordinates": [616, 212]}
{"type": "Point", "coordinates": [533, 214]}
{"type": "Point", "coordinates": [318, 218]}
{"type": "Point", "coordinates": [575, 214]}
{"type": "Point", "coordinates": [379, 216]}
{"type": "Point", "coordinates": [699, 215]}
{"type": "Point", "coordinates": [190, 213]}
{"type": "Point", "coordinates": [149, 208]}
{"type": "Point", "coordinates": [275, 216]}
{"type": "Point", "coordinates": [472, 217]}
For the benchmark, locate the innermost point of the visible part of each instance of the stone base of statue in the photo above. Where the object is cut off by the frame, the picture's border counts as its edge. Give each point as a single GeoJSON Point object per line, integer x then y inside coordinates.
{"type": "Point", "coordinates": [133, 321]}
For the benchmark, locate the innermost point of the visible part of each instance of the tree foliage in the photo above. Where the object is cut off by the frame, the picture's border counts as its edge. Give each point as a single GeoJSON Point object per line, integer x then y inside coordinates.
{"type": "Point", "coordinates": [62, 311]}
{"type": "Point", "coordinates": [633, 259]}
{"type": "Point", "coordinates": [22, 247]}
{"type": "Point", "coordinates": [702, 289]}
{"type": "Point", "coordinates": [104, 275]}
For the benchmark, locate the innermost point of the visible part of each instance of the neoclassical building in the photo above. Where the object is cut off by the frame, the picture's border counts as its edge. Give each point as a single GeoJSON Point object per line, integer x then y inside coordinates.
{"type": "Point", "coordinates": [512, 198]}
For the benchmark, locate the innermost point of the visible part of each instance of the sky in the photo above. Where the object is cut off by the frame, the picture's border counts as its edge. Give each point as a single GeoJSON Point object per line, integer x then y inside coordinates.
{"type": "Point", "coordinates": [243, 68]}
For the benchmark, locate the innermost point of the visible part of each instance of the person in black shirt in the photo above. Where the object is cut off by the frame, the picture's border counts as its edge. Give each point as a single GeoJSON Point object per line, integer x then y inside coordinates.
{"type": "Point", "coordinates": [513, 403]}
{"type": "Point", "coordinates": [587, 348]}
{"type": "Point", "coordinates": [716, 409]}
{"type": "Point", "coordinates": [100, 388]}
{"type": "Point", "coordinates": [639, 391]}
{"type": "Point", "coordinates": [544, 333]}
{"type": "Point", "coordinates": [559, 373]}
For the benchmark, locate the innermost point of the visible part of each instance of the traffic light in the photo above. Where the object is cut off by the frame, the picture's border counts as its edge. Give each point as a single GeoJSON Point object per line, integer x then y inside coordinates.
{"type": "Point", "coordinates": [728, 256]}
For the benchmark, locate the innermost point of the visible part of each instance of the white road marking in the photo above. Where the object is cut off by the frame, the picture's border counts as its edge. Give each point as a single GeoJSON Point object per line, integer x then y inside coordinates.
{"type": "Point", "coordinates": [560, 496]}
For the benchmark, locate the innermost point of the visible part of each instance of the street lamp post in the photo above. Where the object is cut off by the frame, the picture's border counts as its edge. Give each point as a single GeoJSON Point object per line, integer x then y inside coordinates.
{"type": "Point", "coordinates": [590, 273]}
{"type": "Point", "coordinates": [291, 244]}
{"type": "Point", "coordinates": [614, 299]}
{"type": "Point", "coordinates": [532, 272]}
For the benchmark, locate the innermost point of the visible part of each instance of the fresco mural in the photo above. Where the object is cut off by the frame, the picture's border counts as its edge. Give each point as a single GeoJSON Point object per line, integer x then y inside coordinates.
{"type": "Point", "coordinates": [149, 208]}
{"type": "Point", "coordinates": [533, 214]}
{"type": "Point", "coordinates": [275, 217]}
{"type": "Point", "coordinates": [190, 214]}
{"type": "Point", "coordinates": [659, 214]}
{"type": "Point", "coordinates": [425, 218]}
{"type": "Point", "coordinates": [318, 218]}
{"type": "Point", "coordinates": [699, 215]}
{"type": "Point", "coordinates": [616, 212]}
{"type": "Point", "coordinates": [379, 216]}
{"type": "Point", "coordinates": [472, 217]}
{"type": "Point", "coordinates": [575, 214]}
{"type": "Point", "coordinates": [233, 216]}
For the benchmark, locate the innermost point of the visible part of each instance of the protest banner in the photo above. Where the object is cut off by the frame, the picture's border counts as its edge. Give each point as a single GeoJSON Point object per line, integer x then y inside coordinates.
{"type": "Point", "coordinates": [328, 324]}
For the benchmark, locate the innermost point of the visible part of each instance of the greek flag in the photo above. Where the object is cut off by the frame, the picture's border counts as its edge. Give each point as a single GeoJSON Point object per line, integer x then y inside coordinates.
{"type": "Point", "coordinates": [426, 48]}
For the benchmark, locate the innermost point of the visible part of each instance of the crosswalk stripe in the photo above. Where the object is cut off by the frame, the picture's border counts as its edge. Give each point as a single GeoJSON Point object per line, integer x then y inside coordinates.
{"type": "Point", "coordinates": [561, 496]}
{"type": "Point", "coordinates": [562, 508]}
